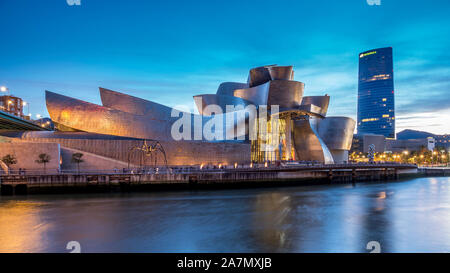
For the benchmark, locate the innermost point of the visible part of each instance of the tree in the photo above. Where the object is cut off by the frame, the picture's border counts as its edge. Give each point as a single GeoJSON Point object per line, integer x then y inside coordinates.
{"type": "Point", "coordinates": [43, 159]}
{"type": "Point", "coordinates": [76, 158]}
{"type": "Point", "coordinates": [9, 160]}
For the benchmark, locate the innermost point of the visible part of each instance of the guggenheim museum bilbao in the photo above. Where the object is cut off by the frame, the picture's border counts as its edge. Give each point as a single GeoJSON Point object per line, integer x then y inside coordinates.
{"type": "Point", "coordinates": [266, 119]}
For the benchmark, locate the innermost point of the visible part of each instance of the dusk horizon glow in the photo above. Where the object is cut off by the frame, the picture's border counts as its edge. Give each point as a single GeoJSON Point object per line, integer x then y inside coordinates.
{"type": "Point", "coordinates": [164, 54]}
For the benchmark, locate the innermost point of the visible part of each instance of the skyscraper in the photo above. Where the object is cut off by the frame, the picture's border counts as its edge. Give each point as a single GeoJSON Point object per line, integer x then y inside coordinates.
{"type": "Point", "coordinates": [376, 107]}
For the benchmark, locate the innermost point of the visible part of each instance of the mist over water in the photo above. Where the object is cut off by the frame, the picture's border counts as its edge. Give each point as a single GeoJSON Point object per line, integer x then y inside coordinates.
{"type": "Point", "coordinates": [404, 216]}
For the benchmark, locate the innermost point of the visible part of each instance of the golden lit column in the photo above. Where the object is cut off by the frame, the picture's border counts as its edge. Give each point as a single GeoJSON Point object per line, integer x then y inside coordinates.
{"type": "Point", "coordinates": [288, 135]}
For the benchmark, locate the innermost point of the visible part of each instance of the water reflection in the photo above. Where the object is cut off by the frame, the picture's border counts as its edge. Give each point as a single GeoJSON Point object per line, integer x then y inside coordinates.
{"type": "Point", "coordinates": [408, 216]}
{"type": "Point", "coordinates": [272, 221]}
{"type": "Point", "coordinates": [21, 227]}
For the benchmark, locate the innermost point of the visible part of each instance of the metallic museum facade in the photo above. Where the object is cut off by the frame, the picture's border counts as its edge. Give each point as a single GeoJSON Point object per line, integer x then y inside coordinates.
{"type": "Point", "coordinates": [268, 118]}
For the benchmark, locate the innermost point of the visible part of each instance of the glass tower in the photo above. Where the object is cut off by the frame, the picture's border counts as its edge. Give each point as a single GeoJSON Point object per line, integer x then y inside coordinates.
{"type": "Point", "coordinates": [376, 108]}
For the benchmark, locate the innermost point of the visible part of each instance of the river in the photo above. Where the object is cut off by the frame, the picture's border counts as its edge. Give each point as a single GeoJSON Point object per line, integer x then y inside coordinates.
{"type": "Point", "coordinates": [404, 216]}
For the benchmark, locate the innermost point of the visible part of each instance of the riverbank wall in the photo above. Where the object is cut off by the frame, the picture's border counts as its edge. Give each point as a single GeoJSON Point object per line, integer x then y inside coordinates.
{"type": "Point", "coordinates": [29, 184]}
{"type": "Point", "coordinates": [434, 171]}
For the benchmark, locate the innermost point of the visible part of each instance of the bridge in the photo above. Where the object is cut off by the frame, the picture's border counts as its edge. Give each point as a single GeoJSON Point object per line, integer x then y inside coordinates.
{"type": "Point", "coordinates": [11, 122]}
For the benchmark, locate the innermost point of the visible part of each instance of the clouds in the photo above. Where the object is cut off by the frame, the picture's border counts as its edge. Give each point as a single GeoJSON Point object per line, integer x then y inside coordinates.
{"type": "Point", "coordinates": [436, 121]}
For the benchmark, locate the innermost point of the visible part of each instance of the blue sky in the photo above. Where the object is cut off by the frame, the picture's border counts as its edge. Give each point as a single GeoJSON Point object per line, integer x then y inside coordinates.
{"type": "Point", "coordinates": [168, 51]}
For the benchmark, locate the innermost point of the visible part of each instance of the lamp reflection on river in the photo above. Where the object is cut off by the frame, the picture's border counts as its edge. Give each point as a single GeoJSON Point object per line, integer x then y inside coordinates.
{"type": "Point", "coordinates": [21, 222]}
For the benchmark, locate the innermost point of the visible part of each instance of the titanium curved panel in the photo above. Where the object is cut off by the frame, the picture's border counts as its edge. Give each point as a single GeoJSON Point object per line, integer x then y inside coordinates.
{"type": "Point", "coordinates": [321, 101]}
{"type": "Point", "coordinates": [203, 101]}
{"type": "Point", "coordinates": [30, 135]}
{"type": "Point", "coordinates": [286, 94]}
{"type": "Point", "coordinates": [89, 117]}
{"type": "Point", "coordinates": [94, 118]}
{"type": "Point", "coordinates": [259, 75]}
{"type": "Point", "coordinates": [337, 132]}
{"type": "Point", "coordinates": [257, 95]}
{"type": "Point", "coordinates": [308, 146]}
{"type": "Point", "coordinates": [134, 105]}
{"type": "Point", "coordinates": [227, 88]}
{"type": "Point", "coordinates": [281, 72]}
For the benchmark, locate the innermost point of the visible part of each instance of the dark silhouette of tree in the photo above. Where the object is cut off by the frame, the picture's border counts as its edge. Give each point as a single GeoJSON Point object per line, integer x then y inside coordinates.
{"type": "Point", "coordinates": [77, 158]}
{"type": "Point", "coordinates": [43, 159]}
{"type": "Point", "coordinates": [9, 160]}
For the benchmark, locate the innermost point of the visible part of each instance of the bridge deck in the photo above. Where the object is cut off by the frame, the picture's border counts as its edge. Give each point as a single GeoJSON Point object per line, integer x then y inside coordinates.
{"type": "Point", "coordinates": [11, 122]}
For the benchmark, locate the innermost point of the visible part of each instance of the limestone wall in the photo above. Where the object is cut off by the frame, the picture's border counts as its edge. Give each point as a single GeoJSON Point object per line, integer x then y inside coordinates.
{"type": "Point", "coordinates": [90, 161]}
{"type": "Point", "coordinates": [177, 152]}
{"type": "Point", "coordinates": [27, 153]}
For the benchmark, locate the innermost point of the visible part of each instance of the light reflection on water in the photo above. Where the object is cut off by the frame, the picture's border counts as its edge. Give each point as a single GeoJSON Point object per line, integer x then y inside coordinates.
{"type": "Point", "coordinates": [408, 216]}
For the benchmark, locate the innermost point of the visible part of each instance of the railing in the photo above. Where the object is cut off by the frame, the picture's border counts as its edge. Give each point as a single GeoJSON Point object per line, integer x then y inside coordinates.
{"type": "Point", "coordinates": [434, 165]}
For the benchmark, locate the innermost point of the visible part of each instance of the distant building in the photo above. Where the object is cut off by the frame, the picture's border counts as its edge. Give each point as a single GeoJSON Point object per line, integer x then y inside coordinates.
{"type": "Point", "coordinates": [442, 141]}
{"type": "Point", "coordinates": [416, 145]}
{"type": "Point", "coordinates": [407, 140]}
{"type": "Point", "coordinates": [12, 105]}
{"type": "Point", "coordinates": [361, 143]}
{"type": "Point", "coordinates": [376, 105]}
{"type": "Point", "coordinates": [431, 143]}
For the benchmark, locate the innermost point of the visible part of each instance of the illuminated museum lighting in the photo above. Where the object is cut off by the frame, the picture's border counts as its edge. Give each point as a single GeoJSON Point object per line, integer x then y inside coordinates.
{"type": "Point", "coordinates": [302, 129]}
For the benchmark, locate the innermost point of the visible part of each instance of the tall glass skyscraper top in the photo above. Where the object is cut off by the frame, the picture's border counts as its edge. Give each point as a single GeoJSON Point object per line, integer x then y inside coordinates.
{"type": "Point", "coordinates": [376, 106]}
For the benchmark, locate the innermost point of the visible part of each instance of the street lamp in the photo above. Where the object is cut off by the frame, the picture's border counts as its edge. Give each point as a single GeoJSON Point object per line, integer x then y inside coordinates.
{"type": "Point", "coordinates": [24, 103]}
{"type": "Point", "coordinates": [432, 157]}
{"type": "Point", "coordinates": [9, 103]}
{"type": "Point", "coordinates": [4, 89]}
